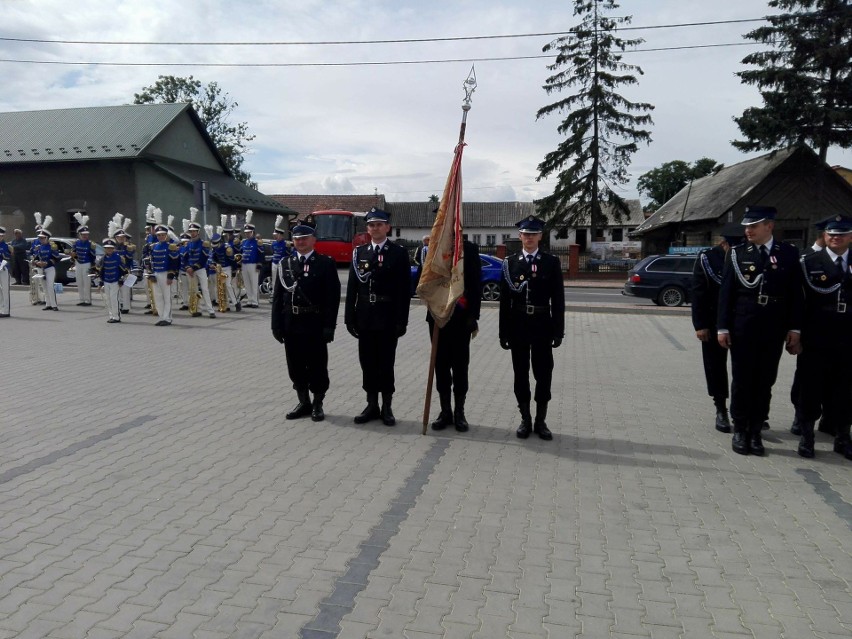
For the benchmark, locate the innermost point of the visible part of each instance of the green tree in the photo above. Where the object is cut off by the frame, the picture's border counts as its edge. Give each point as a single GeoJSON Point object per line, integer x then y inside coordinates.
{"type": "Point", "coordinates": [804, 78]}
{"type": "Point", "coordinates": [214, 109]}
{"type": "Point", "coordinates": [602, 127]}
{"type": "Point", "coordinates": [663, 182]}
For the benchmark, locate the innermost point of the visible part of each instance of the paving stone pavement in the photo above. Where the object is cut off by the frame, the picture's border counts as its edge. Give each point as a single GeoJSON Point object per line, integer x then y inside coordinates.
{"type": "Point", "coordinates": [150, 487]}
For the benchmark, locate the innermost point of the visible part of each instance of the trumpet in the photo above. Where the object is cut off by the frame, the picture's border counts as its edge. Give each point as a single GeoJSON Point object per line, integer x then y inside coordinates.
{"type": "Point", "coordinates": [221, 286]}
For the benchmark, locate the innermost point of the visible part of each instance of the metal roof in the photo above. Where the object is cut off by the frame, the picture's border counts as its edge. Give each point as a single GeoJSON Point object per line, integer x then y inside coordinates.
{"type": "Point", "coordinates": [304, 204]}
{"type": "Point", "coordinates": [223, 188]}
{"type": "Point", "coordinates": [90, 133]}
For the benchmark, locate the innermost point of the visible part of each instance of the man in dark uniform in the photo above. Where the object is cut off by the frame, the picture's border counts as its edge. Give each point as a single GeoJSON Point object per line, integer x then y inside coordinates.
{"type": "Point", "coordinates": [706, 278]}
{"type": "Point", "coordinates": [532, 322]}
{"type": "Point", "coordinates": [452, 357]}
{"type": "Point", "coordinates": [377, 301]}
{"type": "Point", "coordinates": [305, 301]}
{"type": "Point", "coordinates": [824, 373]}
{"type": "Point", "coordinates": [760, 310]}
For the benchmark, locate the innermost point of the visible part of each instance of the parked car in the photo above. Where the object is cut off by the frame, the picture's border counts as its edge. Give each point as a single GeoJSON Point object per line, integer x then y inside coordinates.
{"type": "Point", "coordinates": [492, 268]}
{"type": "Point", "coordinates": [666, 279]}
{"type": "Point", "coordinates": [65, 267]}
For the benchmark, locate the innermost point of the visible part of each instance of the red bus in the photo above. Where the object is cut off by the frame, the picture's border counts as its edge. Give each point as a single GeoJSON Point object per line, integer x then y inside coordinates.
{"type": "Point", "coordinates": [338, 232]}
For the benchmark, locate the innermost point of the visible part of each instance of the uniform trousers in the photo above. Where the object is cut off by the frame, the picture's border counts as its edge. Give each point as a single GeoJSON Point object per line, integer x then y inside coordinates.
{"type": "Point", "coordinates": [111, 293]}
{"type": "Point", "coordinates": [452, 357]}
{"type": "Point", "coordinates": [124, 297]}
{"type": "Point", "coordinates": [754, 368]}
{"type": "Point", "coordinates": [535, 349]}
{"type": "Point", "coordinates": [5, 284]}
{"type": "Point", "coordinates": [235, 284]}
{"type": "Point", "coordinates": [182, 289]}
{"type": "Point", "coordinates": [307, 361]}
{"type": "Point", "coordinates": [715, 367]}
{"type": "Point", "coordinates": [49, 290]}
{"type": "Point", "coordinates": [201, 278]}
{"type": "Point", "coordinates": [825, 388]}
{"type": "Point", "coordinates": [84, 282]}
{"type": "Point", "coordinates": [377, 356]}
{"type": "Point", "coordinates": [229, 288]}
{"type": "Point", "coordinates": [250, 275]}
{"type": "Point", "coordinates": [163, 296]}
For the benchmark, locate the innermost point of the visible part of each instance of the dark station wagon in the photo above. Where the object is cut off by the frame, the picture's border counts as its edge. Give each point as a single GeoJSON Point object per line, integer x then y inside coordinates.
{"type": "Point", "coordinates": [665, 279]}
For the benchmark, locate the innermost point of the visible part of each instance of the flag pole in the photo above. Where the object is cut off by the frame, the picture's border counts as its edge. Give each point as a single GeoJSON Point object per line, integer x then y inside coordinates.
{"type": "Point", "coordinates": [469, 87]}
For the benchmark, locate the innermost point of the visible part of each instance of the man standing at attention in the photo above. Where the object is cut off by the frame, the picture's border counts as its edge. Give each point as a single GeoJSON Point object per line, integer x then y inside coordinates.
{"type": "Point", "coordinates": [760, 310]}
{"type": "Point", "coordinates": [377, 299]}
{"type": "Point", "coordinates": [532, 322]}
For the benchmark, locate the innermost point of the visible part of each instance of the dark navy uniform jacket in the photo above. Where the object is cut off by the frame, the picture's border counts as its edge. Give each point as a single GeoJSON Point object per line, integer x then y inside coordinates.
{"type": "Point", "coordinates": [46, 253]}
{"type": "Point", "coordinates": [306, 298]}
{"type": "Point", "coordinates": [196, 255]}
{"type": "Point", "coordinates": [827, 321]}
{"type": "Point", "coordinates": [379, 289]}
{"type": "Point", "coordinates": [165, 257]}
{"type": "Point", "coordinates": [755, 299]}
{"type": "Point", "coordinates": [706, 281]}
{"type": "Point", "coordinates": [532, 298]}
{"type": "Point", "coordinates": [252, 251]}
{"type": "Point", "coordinates": [84, 251]}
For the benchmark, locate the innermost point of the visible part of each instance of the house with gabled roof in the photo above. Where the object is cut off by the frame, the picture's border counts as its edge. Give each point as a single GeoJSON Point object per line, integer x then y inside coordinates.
{"type": "Point", "coordinates": [304, 204]}
{"type": "Point", "coordinates": [803, 188]}
{"type": "Point", "coordinates": [103, 160]}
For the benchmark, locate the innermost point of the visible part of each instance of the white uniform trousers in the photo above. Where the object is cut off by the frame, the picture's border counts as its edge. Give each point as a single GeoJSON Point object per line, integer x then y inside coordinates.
{"type": "Point", "coordinates": [124, 297]}
{"type": "Point", "coordinates": [182, 289]}
{"type": "Point", "coordinates": [5, 283]}
{"type": "Point", "coordinates": [111, 293]}
{"type": "Point", "coordinates": [229, 289]}
{"type": "Point", "coordinates": [203, 286]}
{"type": "Point", "coordinates": [250, 275]}
{"type": "Point", "coordinates": [235, 284]}
{"type": "Point", "coordinates": [163, 296]}
{"type": "Point", "coordinates": [49, 291]}
{"type": "Point", "coordinates": [84, 282]}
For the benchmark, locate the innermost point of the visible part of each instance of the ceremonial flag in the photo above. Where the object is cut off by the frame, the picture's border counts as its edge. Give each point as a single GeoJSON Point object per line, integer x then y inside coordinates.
{"type": "Point", "coordinates": [442, 278]}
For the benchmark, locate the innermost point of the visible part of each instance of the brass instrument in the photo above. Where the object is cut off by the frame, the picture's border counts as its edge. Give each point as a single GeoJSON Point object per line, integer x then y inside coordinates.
{"type": "Point", "coordinates": [36, 282]}
{"type": "Point", "coordinates": [221, 286]}
{"type": "Point", "coordinates": [194, 294]}
{"type": "Point", "coordinates": [150, 280]}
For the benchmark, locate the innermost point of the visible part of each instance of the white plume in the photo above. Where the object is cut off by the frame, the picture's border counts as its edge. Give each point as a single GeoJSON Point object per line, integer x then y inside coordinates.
{"type": "Point", "coordinates": [117, 219]}
{"type": "Point", "coordinates": [112, 227]}
{"type": "Point", "coordinates": [279, 220]}
{"type": "Point", "coordinates": [185, 224]}
{"type": "Point", "coordinates": [126, 224]}
{"type": "Point", "coordinates": [158, 215]}
{"type": "Point", "coordinates": [233, 221]}
{"type": "Point", "coordinates": [37, 216]}
{"type": "Point", "coordinates": [173, 237]}
{"type": "Point", "coordinates": [170, 221]}
{"type": "Point", "coordinates": [79, 217]}
{"type": "Point", "coordinates": [249, 214]}
{"type": "Point", "coordinates": [48, 220]}
{"type": "Point", "coordinates": [219, 228]}
{"type": "Point", "coordinates": [223, 220]}
{"type": "Point", "coordinates": [208, 228]}
{"type": "Point", "coordinates": [193, 213]}
{"type": "Point", "coordinates": [149, 212]}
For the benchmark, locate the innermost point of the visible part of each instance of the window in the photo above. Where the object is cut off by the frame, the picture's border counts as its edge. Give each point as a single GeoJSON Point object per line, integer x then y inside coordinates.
{"type": "Point", "coordinates": [506, 237]}
{"type": "Point", "coordinates": [476, 238]}
{"type": "Point", "coordinates": [490, 240]}
{"type": "Point", "coordinates": [618, 235]}
{"type": "Point", "coordinates": [663, 265]}
{"type": "Point", "coordinates": [398, 231]}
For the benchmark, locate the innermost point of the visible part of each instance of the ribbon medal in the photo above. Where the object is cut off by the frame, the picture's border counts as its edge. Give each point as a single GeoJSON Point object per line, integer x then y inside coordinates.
{"type": "Point", "coordinates": [774, 261]}
{"type": "Point", "coordinates": [534, 269]}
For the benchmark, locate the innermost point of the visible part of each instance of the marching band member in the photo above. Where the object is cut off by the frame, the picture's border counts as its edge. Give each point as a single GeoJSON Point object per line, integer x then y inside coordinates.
{"type": "Point", "coordinates": [84, 255]}
{"type": "Point", "coordinates": [128, 252]}
{"type": "Point", "coordinates": [222, 254]}
{"type": "Point", "coordinates": [194, 263]}
{"type": "Point", "coordinates": [165, 261]}
{"type": "Point", "coordinates": [229, 239]}
{"type": "Point", "coordinates": [46, 255]}
{"type": "Point", "coordinates": [279, 249]}
{"type": "Point", "coordinates": [253, 256]}
{"type": "Point", "coordinates": [111, 271]}
{"type": "Point", "coordinates": [36, 284]}
{"type": "Point", "coordinates": [5, 281]}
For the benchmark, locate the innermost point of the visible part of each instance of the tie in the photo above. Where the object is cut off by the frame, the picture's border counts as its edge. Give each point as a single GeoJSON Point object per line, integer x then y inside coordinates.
{"type": "Point", "coordinates": [839, 262]}
{"type": "Point", "coordinates": [302, 260]}
{"type": "Point", "coordinates": [763, 255]}
{"type": "Point", "coordinates": [530, 259]}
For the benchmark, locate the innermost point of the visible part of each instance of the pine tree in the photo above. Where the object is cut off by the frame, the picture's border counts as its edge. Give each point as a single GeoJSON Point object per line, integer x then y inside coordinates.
{"type": "Point", "coordinates": [602, 127]}
{"type": "Point", "coordinates": [804, 79]}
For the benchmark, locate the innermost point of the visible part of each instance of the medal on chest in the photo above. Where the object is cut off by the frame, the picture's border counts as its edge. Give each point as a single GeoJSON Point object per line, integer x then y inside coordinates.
{"type": "Point", "coordinates": [535, 270]}
{"type": "Point", "coordinates": [774, 261]}
{"type": "Point", "coordinates": [381, 260]}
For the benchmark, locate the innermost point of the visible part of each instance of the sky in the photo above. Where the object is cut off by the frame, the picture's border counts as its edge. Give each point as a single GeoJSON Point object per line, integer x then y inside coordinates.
{"type": "Point", "coordinates": [387, 128]}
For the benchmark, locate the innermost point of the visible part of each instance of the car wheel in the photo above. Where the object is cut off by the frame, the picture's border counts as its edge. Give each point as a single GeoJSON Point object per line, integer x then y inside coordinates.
{"type": "Point", "coordinates": [491, 291]}
{"type": "Point", "coordinates": [266, 285]}
{"type": "Point", "coordinates": [672, 296]}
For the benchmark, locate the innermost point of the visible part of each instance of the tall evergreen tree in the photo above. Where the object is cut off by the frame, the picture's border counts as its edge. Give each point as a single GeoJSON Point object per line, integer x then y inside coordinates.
{"type": "Point", "coordinates": [804, 79]}
{"type": "Point", "coordinates": [602, 127]}
{"type": "Point", "coordinates": [214, 110]}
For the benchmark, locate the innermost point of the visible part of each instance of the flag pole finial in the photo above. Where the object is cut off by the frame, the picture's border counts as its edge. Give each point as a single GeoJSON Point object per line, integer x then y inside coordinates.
{"type": "Point", "coordinates": [469, 87]}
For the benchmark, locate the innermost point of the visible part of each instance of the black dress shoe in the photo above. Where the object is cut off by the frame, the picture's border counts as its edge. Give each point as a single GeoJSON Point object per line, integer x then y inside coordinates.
{"type": "Point", "coordinates": [756, 444]}
{"type": "Point", "coordinates": [541, 429]}
{"type": "Point", "coordinates": [83, 304]}
{"type": "Point", "coordinates": [387, 415]}
{"type": "Point", "coordinates": [196, 314]}
{"type": "Point", "coordinates": [843, 448]}
{"type": "Point", "coordinates": [125, 311]}
{"type": "Point", "coordinates": [47, 308]}
{"type": "Point", "coordinates": [723, 424]}
{"type": "Point", "coordinates": [317, 413]}
{"type": "Point", "coordinates": [112, 321]}
{"type": "Point", "coordinates": [445, 418]}
{"type": "Point", "coordinates": [460, 420]}
{"type": "Point", "coordinates": [184, 307]}
{"type": "Point", "coordinates": [524, 429]}
{"type": "Point", "coordinates": [370, 413]}
{"type": "Point", "coordinates": [2, 315]}
{"type": "Point", "coordinates": [740, 443]}
{"type": "Point", "coordinates": [806, 449]}
{"type": "Point", "coordinates": [795, 427]}
{"type": "Point", "coordinates": [301, 410]}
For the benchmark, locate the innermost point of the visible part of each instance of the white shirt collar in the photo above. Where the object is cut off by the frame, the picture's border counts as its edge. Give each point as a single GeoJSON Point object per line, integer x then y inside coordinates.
{"type": "Point", "coordinates": [768, 245]}
{"type": "Point", "coordinates": [378, 247]}
{"type": "Point", "coordinates": [526, 255]}
{"type": "Point", "coordinates": [306, 255]}
{"type": "Point", "coordinates": [833, 256]}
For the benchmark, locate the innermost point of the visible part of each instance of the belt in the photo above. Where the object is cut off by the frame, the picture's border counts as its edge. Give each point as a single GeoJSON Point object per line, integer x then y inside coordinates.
{"type": "Point", "coordinates": [840, 307]}
{"type": "Point", "coordinates": [372, 298]}
{"type": "Point", "coordinates": [303, 310]}
{"type": "Point", "coordinates": [530, 309]}
{"type": "Point", "coordinates": [762, 300]}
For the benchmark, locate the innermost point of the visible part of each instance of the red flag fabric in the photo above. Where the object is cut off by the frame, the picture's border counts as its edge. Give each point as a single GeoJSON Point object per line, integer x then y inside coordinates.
{"type": "Point", "coordinates": [442, 278]}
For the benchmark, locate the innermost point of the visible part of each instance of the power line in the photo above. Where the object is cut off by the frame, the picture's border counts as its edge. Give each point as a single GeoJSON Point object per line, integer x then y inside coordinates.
{"type": "Point", "coordinates": [350, 42]}
{"type": "Point", "coordinates": [347, 64]}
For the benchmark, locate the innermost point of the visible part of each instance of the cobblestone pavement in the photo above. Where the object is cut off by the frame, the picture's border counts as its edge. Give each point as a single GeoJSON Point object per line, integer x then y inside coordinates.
{"type": "Point", "coordinates": [150, 487]}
